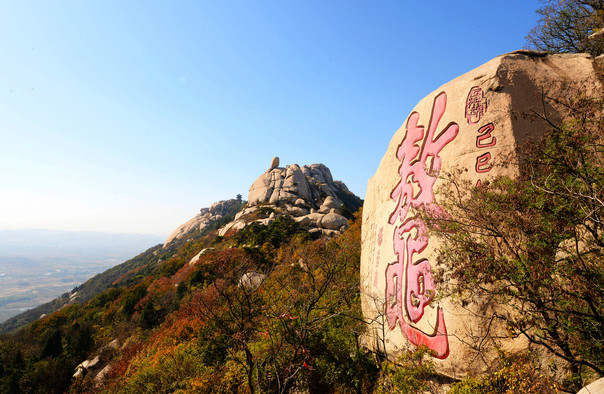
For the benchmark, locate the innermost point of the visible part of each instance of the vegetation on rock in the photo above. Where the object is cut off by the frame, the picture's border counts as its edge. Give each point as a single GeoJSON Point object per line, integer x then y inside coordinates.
{"type": "Point", "coordinates": [534, 244]}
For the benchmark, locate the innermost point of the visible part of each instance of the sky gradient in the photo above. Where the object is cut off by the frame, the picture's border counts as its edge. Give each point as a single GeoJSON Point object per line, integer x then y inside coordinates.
{"type": "Point", "coordinates": [129, 116]}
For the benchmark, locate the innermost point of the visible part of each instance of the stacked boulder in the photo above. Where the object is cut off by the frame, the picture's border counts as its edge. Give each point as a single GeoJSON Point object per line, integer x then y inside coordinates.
{"type": "Point", "coordinates": [308, 194]}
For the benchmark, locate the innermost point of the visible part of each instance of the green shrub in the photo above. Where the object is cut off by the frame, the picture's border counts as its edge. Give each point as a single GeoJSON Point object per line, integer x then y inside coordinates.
{"type": "Point", "coordinates": [517, 373]}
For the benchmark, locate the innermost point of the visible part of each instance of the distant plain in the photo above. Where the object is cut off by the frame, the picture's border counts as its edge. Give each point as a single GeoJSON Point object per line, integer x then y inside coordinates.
{"type": "Point", "coordinates": [37, 266]}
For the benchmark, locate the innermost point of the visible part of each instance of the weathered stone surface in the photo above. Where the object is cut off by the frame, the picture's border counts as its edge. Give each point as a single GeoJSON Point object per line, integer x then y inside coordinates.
{"type": "Point", "coordinates": [87, 366]}
{"type": "Point", "coordinates": [232, 226]}
{"type": "Point", "coordinates": [196, 258]}
{"type": "Point", "coordinates": [186, 228]}
{"type": "Point", "coordinates": [596, 387]}
{"type": "Point", "coordinates": [101, 376]}
{"type": "Point", "coordinates": [470, 123]}
{"type": "Point", "coordinates": [303, 220]}
{"type": "Point", "coordinates": [333, 221]}
{"type": "Point", "coordinates": [221, 208]}
{"type": "Point", "coordinates": [315, 218]}
{"type": "Point", "coordinates": [291, 190]}
{"type": "Point", "coordinates": [297, 211]}
{"type": "Point", "coordinates": [330, 233]}
{"type": "Point", "coordinates": [251, 280]}
{"type": "Point", "coordinates": [307, 183]}
{"type": "Point", "coordinates": [331, 202]}
{"type": "Point", "coordinates": [274, 162]}
{"type": "Point", "coordinates": [323, 209]}
{"type": "Point", "coordinates": [266, 222]}
{"type": "Point", "coordinates": [245, 211]}
{"type": "Point", "coordinates": [206, 217]}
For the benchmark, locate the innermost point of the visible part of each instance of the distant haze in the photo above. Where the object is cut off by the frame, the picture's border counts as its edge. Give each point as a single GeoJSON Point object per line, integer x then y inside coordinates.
{"type": "Point", "coordinates": [56, 243]}
{"type": "Point", "coordinates": [37, 266]}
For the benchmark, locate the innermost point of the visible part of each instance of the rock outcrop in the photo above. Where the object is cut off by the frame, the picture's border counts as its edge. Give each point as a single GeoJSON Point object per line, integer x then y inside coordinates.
{"type": "Point", "coordinates": [96, 366]}
{"type": "Point", "coordinates": [312, 184]}
{"type": "Point", "coordinates": [470, 123]}
{"type": "Point", "coordinates": [206, 217]}
{"type": "Point", "coordinates": [308, 194]}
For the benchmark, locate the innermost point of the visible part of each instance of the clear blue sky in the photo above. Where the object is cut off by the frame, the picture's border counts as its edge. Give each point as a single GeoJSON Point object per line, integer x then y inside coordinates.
{"type": "Point", "coordinates": [129, 116]}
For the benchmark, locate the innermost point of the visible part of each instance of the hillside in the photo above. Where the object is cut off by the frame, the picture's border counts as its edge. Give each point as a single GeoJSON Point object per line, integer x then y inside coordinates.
{"type": "Point", "coordinates": [275, 293]}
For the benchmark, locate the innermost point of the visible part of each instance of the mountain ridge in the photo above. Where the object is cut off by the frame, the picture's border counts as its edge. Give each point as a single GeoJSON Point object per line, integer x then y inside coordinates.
{"type": "Point", "coordinates": [226, 216]}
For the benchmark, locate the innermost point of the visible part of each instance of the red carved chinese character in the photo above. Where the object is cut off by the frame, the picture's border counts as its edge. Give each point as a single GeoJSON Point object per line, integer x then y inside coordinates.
{"type": "Point", "coordinates": [476, 105]}
{"type": "Point", "coordinates": [420, 165]}
{"type": "Point", "coordinates": [485, 133]}
{"type": "Point", "coordinates": [482, 163]}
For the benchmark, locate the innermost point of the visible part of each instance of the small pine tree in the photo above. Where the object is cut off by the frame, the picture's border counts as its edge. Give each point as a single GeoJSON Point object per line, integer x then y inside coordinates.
{"type": "Point", "coordinates": [53, 345]}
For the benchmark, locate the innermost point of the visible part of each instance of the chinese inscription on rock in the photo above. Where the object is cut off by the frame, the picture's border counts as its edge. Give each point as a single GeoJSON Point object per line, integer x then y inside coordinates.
{"type": "Point", "coordinates": [409, 283]}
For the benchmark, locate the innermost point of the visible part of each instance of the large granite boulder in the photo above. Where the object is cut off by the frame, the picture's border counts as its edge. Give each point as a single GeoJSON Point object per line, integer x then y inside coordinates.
{"type": "Point", "coordinates": [470, 123]}
{"type": "Point", "coordinates": [333, 221]}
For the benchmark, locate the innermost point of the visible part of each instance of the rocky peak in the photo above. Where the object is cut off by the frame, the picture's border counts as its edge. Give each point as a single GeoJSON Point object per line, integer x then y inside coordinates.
{"type": "Point", "coordinates": [312, 183]}
{"type": "Point", "coordinates": [308, 194]}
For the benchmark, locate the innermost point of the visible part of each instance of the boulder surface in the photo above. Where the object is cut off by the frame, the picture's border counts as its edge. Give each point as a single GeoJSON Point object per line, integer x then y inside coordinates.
{"type": "Point", "coordinates": [471, 124]}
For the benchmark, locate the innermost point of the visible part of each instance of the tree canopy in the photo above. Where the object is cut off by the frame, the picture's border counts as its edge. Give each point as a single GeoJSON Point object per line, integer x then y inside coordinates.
{"type": "Point", "coordinates": [565, 26]}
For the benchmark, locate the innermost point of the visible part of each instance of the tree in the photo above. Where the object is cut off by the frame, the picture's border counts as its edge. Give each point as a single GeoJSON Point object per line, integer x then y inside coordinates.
{"type": "Point", "coordinates": [298, 329]}
{"type": "Point", "coordinates": [535, 244]}
{"type": "Point", "coordinates": [53, 346]}
{"type": "Point", "coordinates": [565, 26]}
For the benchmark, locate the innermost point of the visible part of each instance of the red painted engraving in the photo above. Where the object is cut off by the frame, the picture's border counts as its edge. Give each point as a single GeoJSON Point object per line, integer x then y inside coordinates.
{"type": "Point", "coordinates": [420, 166]}
{"type": "Point", "coordinates": [476, 105]}
{"type": "Point", "coordinates": [485, 133]}
{"type": "Point", "coordinates": [482, 163]}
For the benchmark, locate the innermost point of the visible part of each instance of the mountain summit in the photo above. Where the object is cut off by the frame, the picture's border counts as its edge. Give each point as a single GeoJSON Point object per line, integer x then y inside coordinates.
{"type": "Point", "coordinates": [308, 194]}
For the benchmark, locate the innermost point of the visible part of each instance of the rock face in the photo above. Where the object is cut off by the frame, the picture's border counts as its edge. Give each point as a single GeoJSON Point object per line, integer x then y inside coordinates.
{"type": "Point", "coordinates": [593, 388]}
{"type": "Point", "coordinates": [469, 123]}
{"type": "Point", "coordinates": [312, 184]}
{"type": "Point", "coordinates": [206, 217]}
{"type": "Point", "coordinates": [298, 192]}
